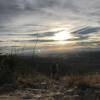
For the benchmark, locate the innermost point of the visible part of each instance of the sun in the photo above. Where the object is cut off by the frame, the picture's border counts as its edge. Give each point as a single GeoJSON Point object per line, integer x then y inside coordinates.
{"type": "Point", "coordinates": [62, 36]}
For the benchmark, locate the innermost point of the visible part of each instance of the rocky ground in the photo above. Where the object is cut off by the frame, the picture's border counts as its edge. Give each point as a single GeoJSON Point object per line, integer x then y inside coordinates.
{"type": "Point", "coordinates": [53, 91]}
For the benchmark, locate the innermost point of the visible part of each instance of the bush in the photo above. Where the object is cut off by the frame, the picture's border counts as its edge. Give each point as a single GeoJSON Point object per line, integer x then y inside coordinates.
{"type": "Point", "coordinates": [6, 70]}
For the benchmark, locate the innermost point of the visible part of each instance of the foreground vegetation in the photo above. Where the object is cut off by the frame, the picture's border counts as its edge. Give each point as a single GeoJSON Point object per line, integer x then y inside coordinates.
{"type": "Point", "coordinates": [80, 68]}
{"type": "Point", "coordinates": [50, 78]}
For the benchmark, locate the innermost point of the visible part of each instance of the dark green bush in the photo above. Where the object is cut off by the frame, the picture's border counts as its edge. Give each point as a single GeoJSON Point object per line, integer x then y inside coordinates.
{"type": "Point", "coordinates": [6, 70]}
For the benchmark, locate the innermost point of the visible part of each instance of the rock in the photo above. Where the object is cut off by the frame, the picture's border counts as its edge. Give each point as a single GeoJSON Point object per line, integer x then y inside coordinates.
{"type": "Point", "coordinates": [74, 97]}
{"type": "Point", "coordinates": [27, 97]}
{"type": "Point", "coordinates": [58, 97]}
{"type": "Point", "coordinates": [38, 97]}
{"type": "Point", "coordinates": [43, 85]}
{"type": "Point", "coordinates": [70, 92]}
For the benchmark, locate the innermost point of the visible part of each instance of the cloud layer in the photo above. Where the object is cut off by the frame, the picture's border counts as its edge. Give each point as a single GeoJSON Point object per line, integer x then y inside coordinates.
{"type": "Point", "coordinates": [53, 9]}
{"type": "Point", "coordinates": [23, 19]}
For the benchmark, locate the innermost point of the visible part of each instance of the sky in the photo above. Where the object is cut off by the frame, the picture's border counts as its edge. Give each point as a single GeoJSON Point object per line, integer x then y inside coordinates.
{"type": "Point", "coordinates": [22, 22]}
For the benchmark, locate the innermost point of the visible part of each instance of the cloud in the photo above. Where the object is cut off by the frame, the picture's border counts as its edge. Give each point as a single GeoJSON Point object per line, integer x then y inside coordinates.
{"type": "Point", "coordinates": [81, 17]}
{"type": "Point", "coordinates": [87, 30]}
{"type": "Point", "coordinates": [42, 11]}
{"type": "Point", "coordinates": [87, 36]}
{"type": "Point", "coordinates": [60, 8]}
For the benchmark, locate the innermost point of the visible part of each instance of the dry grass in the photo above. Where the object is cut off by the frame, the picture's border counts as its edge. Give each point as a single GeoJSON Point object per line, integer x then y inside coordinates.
{"type": "Point", "coordinates": [76, 80]}
{"type": "Point", "coordinates": [30, 80]}
{"type": "Point", "coordinates": [69, 80]}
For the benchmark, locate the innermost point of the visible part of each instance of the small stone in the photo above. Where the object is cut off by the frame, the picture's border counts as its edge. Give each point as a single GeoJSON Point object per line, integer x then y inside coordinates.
{"type": "Point", "coordinates": [27, 97]}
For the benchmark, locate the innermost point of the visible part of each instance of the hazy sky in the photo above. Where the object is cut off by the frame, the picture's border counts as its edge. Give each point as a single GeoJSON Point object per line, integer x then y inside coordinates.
{"type": "Point", "coordinates": [21, 20]}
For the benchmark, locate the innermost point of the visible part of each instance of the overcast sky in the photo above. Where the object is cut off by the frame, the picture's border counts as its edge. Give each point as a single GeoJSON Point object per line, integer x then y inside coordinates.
{"type": "Point", "coordinates": [43, 16]}
{"type": "Point", "coordinates": [48, 12]}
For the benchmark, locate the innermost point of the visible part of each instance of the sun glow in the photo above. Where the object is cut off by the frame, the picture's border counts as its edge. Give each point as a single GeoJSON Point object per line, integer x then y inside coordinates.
{"type": "Point", "coordinates": [62, 36]}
